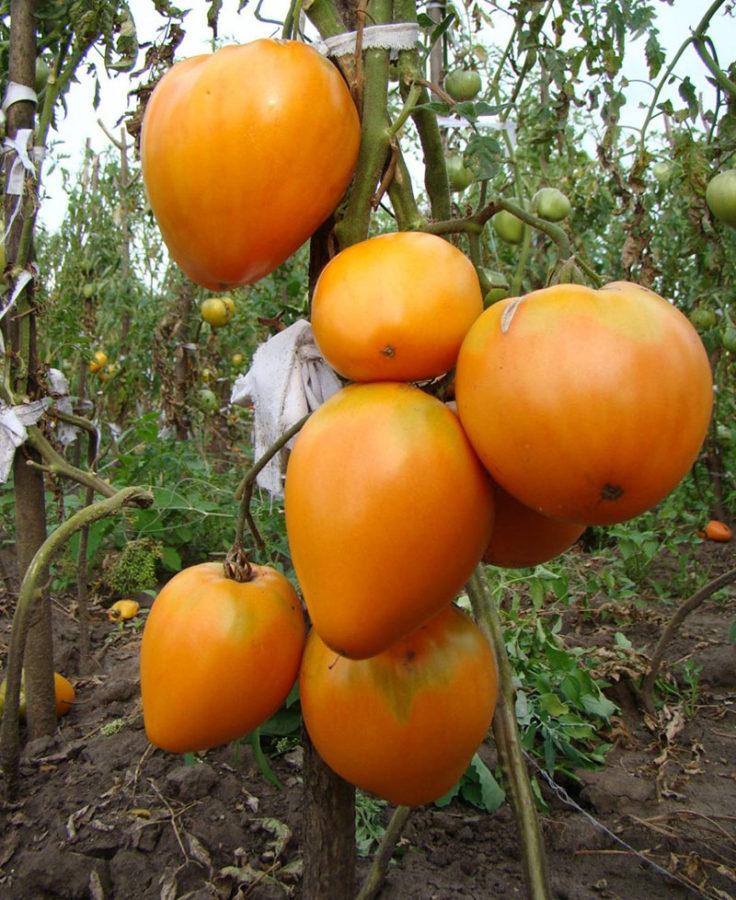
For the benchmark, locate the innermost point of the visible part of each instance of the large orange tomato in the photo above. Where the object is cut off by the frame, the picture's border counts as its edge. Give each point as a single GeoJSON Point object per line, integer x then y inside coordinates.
{"type": "Point", "coordinates": [405, 723]}
{"type": "Point", "coordinates": [245, 153]}
{"type": "Point", "coordinates": [395, 307]}
{"type": "Point", "coordinates": [523, 537]}
{"type": "Point", "coordinates": [218, 657]}
{"type": "Point", "coordinates": [388, 510]}
{"type": "Point", "coordinates": [585, 405]}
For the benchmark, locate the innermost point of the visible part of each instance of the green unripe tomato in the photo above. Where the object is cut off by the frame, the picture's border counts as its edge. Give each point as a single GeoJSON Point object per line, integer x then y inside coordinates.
{"type": "Point", "coordinates": [462, 84]}
{"type": "Point", "coordinates": [703, 318]}
{"type": "Point", "coordinates": [508, 227]}
{"type": "Point", "coordinates": [720, 195]}
{"type": "Point", "coordinates": [89, 290]}
{"type": "Point", "coordinates": [207, 400]}
{"type": "Point", "coordinates": [551, 204]}
{"type": "Point", "coordinates": [725, 435]}
{"type": "Point", "coordinates": [728, 338]}
{"type": "Point", "coordinates": [663, 172]}
{"type": "Point", "coordinates": [237, 359]}
{"type": "Point", "coordinates": [459, 175]}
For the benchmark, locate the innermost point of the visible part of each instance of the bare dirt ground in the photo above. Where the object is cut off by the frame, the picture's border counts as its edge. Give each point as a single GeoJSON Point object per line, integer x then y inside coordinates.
{"type": "Point", "coordinates": [103, 814]}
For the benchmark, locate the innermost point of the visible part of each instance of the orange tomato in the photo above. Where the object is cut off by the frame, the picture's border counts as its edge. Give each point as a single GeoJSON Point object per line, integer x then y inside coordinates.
{"type": "Point", "coordinates": [245, 152]}
{"type": "Point", "coordinates": [218, 657]}
{"type": "Point", "coordinates": [395, 307]}
{"type": "Point", "coordinates": [388, 510]}
{"type": "Point", "coordinates": [524, 537]}
{"type": "Point", "coordinates": [585, 405]}
{"type": "Point", "coordinates": [405, 723]}
{"type": "Point", "coordinates": [63, 695]}
{"type": "Point", "coordinates": [718, 531]}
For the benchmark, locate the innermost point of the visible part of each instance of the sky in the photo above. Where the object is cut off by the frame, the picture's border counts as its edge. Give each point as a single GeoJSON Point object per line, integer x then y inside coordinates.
{"type": "Point", "coordinates": [674, 22]}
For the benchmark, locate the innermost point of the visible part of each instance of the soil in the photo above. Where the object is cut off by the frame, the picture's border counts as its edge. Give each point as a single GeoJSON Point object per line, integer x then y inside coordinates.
{"type": "Point", "coordinates": [101, 813]}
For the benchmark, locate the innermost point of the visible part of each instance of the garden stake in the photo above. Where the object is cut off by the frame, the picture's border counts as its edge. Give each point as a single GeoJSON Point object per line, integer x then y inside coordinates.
{"type": "Point", "coordinates": [508, 743]}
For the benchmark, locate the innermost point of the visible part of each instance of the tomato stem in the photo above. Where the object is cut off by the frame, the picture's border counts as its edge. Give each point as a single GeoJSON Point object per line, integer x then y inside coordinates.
{"type": "Point", "coordinates": [508, 742]}
{"type": "Point", "coordinates": [254, 739]}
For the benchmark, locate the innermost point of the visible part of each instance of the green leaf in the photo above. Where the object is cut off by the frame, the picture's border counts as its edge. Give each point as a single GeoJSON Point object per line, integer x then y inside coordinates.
{"type": "Point", "coordinates": [655, 55]}
{"type": "Point", "coordinates": [492, 794]}
{"type": "Point", "coordinates": [171, 559]}
{"type": "Point", "coordinates": [552, 705]}
{"type": "Point", "coordinates": [622, 641]}
{"type": "Point", "coordinates": [447, 798]}
{"type": "Point", "coordinates": [598, 706]}
{"type": "Point", "coordinates": [732, 632]}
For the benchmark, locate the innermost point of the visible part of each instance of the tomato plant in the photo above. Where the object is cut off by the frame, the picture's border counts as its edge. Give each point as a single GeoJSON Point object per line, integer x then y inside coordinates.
{"type": "Point", "coordinates": [551, 204]}
{"type": "Point", "coordinates": [405, 723]}
{"type": "Point", "coordinates": [463, 84]}
{"type": "Point", "coordinates": [218, 656]}
{"type": "Point", "coordinates": [387, 513]}
{"type": "Point", "coordinates": [508, 227]}
{"type": "Point", "coordinates": [215, 311]}
{"type": "Point", "coordinates": [720, 196]}
{"type": "Point", "coordinates": [459, 175]}
{"type": "Point", "coordinates": [224, 216]}
{"type": "Point", "coordinates": [703, 318]}
{"type": "Point", "coordinates": [523, 537]}
{"type": "Point", "coordinates": [718, 531]}
{"type": "Point", "coordinates": [395, 307]}
{"type": "Point", "coordinates": [585, 405]}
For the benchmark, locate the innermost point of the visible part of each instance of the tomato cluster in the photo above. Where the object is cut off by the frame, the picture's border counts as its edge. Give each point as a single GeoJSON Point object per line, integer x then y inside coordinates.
{"type": "Point", "coordinates": [574, 407]}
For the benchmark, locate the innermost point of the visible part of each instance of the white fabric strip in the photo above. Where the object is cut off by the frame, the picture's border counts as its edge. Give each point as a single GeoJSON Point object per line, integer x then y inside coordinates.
{"type": "Point", "coordinates": [16, 92]}
{"type": "Point", "coordinates": [492, 123]}
{"type": "Point", "coordinates": [13, 422]}
{"type": "Point", "coordinates": [394, 36]}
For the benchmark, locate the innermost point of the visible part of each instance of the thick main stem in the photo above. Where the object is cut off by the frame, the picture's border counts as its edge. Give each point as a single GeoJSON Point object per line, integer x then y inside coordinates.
{"type": "Point", "coordinates": [508, 742]}
{"type": "Point", "coordinates": [28, 486]}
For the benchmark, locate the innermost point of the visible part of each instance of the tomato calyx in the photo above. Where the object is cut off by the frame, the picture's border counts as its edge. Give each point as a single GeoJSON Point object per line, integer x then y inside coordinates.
{"type": "Point", "coordinates": [237, 566]}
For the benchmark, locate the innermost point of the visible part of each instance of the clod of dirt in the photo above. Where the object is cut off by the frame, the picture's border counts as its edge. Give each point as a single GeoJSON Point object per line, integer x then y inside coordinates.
{"type": "Point", "coordinates": [192, 782]}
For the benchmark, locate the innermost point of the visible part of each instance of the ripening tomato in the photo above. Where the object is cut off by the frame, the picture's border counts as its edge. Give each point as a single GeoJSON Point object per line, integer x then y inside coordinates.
{"type": "Point", "coordinates": [395, 307]}
{"type": "Point", "coordinates": [716, 530]}
{"type": "Point", "coordinates": [388, 510]}
{"type": "Point", "coordinates": [403, 724]}
{"type": "Point", "coordinates": [585, 405]}
{"type": "Point", "coordinates": [215, 311]}
{"type": "Point", "coordinates": [523, 537]}
{"type": "Point", "coordinates": [218, 657]}
{"type": "Point", "coordinates": [245, 152]}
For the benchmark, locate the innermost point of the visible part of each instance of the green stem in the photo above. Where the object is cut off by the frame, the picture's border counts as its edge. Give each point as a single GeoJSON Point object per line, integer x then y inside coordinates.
{"type": "Point", "coordinates": [55, 464]}
{"type": "Point", "coordinates": [244, 493]}
{"type": "Point", "coordinates": [515, 286]}
{"type": "Point", "coordinates": [698, 34]}
{"type": "Point", "coordinates": [404, 203]}
{"type": "Point", "coordinates": [375, 138]}
{"type": "Point", "coordinates": [720, 76]}
{"type": "Point", "coordinates": [430, 137]}
{"type": "Point", "coordinates": [377, 872]}
{"type": "Point", "coordinates": [411, 100]}
{"type": "Point", "coordinates": [31, 589]}
{"type": "Point", "coordinates": [508, 742]}
{"type": "Point", "coordinates": [254, 739]}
